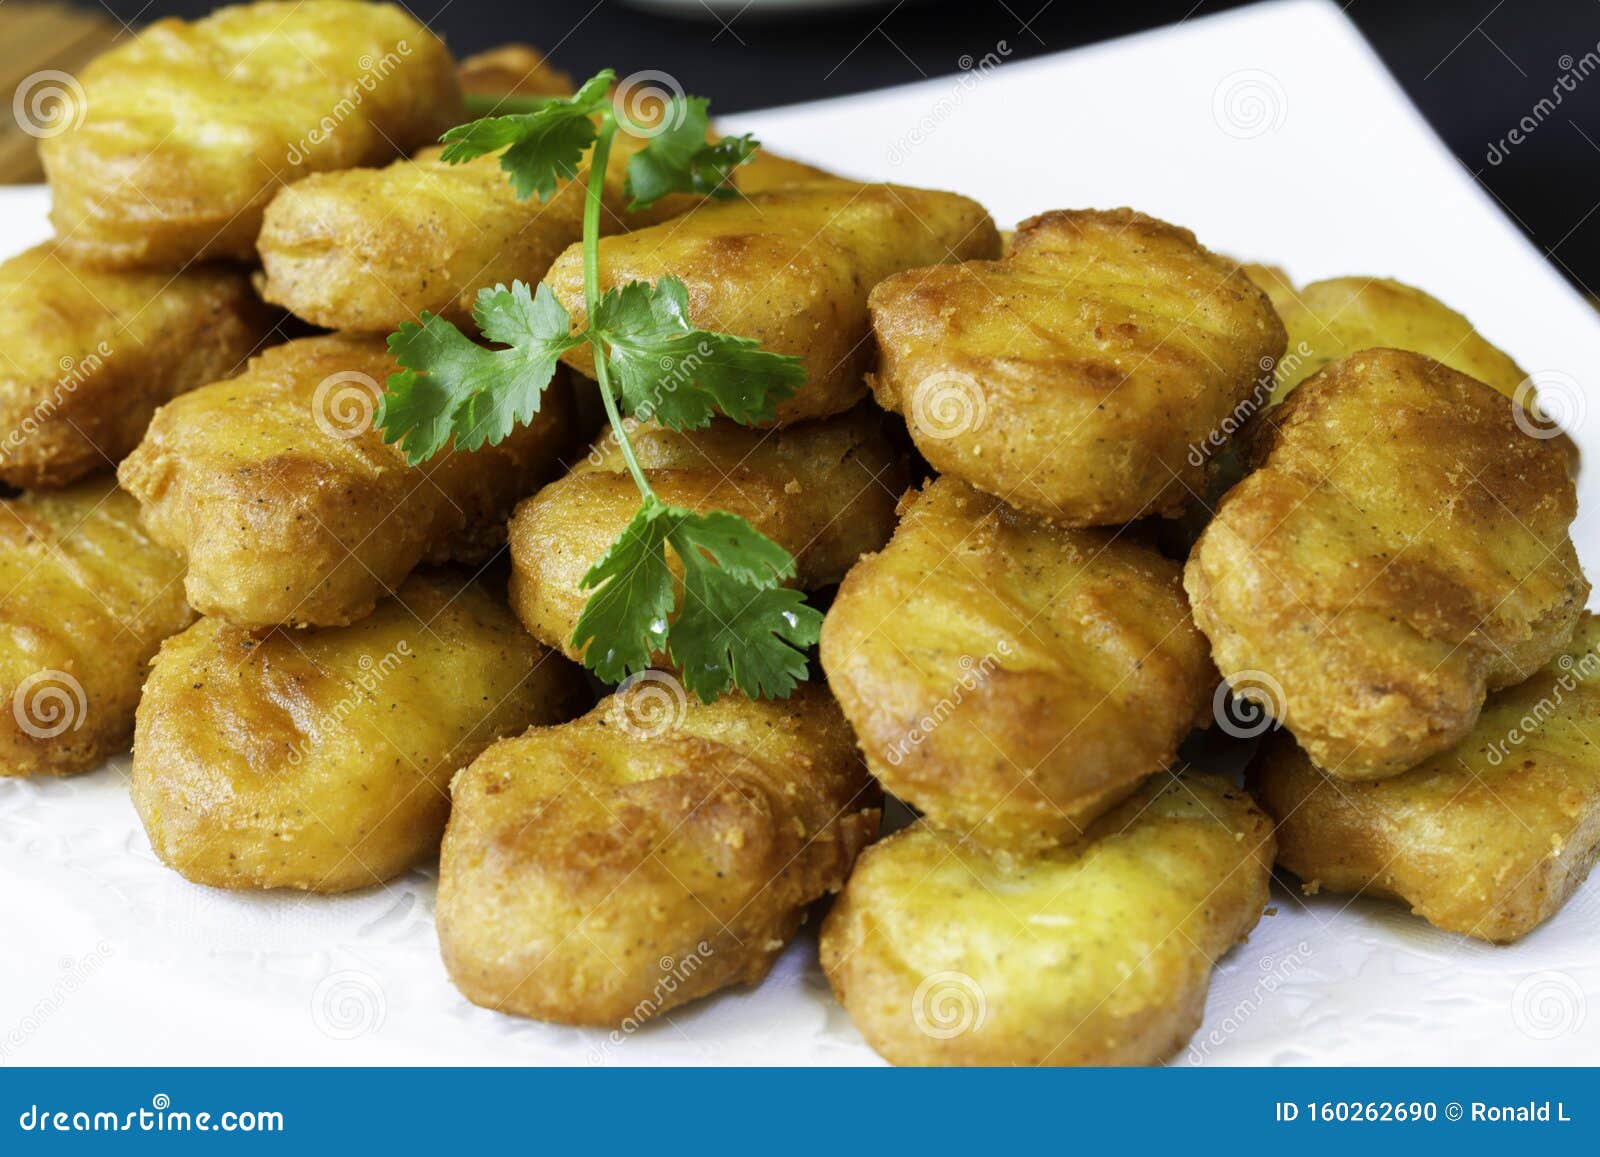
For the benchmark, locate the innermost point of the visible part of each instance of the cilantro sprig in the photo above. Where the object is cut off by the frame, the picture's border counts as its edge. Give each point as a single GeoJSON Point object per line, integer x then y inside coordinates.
{"type": "Point", "coordinates": [723, 615]}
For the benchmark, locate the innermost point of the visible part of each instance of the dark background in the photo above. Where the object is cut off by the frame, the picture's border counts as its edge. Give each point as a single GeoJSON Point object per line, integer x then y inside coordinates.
{"type": "Point", "coordinates": [1475, 67]}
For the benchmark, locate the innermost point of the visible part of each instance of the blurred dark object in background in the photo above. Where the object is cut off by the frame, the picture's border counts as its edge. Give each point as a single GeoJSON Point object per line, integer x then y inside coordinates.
{"type": "Point", "coordinates": [1482, 71]}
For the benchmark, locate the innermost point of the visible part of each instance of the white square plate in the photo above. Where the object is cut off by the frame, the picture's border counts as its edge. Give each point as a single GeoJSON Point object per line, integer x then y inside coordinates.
{"type": "Point", "coordinates": [1275, 134]}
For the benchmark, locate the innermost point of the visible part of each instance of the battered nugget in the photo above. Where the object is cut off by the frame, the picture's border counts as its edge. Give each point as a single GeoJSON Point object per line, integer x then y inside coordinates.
{"type": "Point", "coordinates": [182, 134]}
{"type": "Point", "coordinates": [1098, 953]}
{"type": "Point", "coordinates": [1488, 839]}
{"type": "Point", "coordinates": [791, 268]}
{"type": "Point", "coordinates": [366, 249]}
{"type": "Point", "coordinates": [513, 70]}
{"type": "Point", "coordinates": [1088, 376]}
{"type": "Point", "coordinates": [85, 600]}
{"type": "Point", "coordinates": [291, 508]}
{"type": "Point", "coordinates": [89, 356]}
{"type": "Point", "coordinates": [1011, 678]}
{"type": "Point", "coordinates": [1401, 550]}
{"type": "Point", "coordinates": [1329, 320]}
{"type": "Point", "coordinates": [322, 761]}
{"type": "Point", "coordinates": [825, 491]}
{"type": "Point", "coordinates": [654, 851]}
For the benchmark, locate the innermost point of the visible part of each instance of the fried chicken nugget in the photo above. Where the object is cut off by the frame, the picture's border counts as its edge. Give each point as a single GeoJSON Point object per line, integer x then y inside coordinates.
{"type": "Point", "coordinates": [366, 249]}
{"type": "Point", "coordinates": [291, 508]}
{"type": "Point", "coordinates": [87, 600]}
{"type": "Point", "coordinates": [181, 135]}
{"type": "Point", "coordinates": [1488, 839]}
{"type": "Point", "coordinates": [1012, 678]}
{"type": "Point", "coordinates": [1401, 550]}
{"type": "Point", "coordinates": [791, 268]}
{"type": "Point", "coordinates": [513, 70]}
{"type": "Point", "coordinates": [1096, 953]}
{"type": "Point", "coordinates": [1086, 376]}
{"type": "Point", "coordinates": [652, 852]}
{"type": "Point", "coordinates": [89, 357]}
{"type": "Point", "coordinates": [322, 761]}
{"type": "Point", "coordinates": [825, 491]}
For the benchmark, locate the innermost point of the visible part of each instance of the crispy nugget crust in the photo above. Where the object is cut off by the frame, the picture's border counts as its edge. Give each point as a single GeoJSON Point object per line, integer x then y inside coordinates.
{"type": "Point", "coordinates": [88, 600]}
{"type": "Point", "coordinates": [647, 854]}
{"type": "Point", "coordinates": [825, 491]}
{"type": "Point", "coordinates": [792, 269]}
{"type": "Point", "coordinates": [1085, 377]}
{"type": "Point", "coordinates": [89, 357]}
{"type": "Point", "coordinates": [292, 509]}
{"type": "Point", "coordinates": [1012, 678]}
{"type": "Point", "coordinates": [1488, 839]}
{"type": "Point", "coordinates": [1099, 953]}
{"type": "Point", "coordinates": [514, 70]}
{"type": "Point", "coordinates": [1402, 549]}
{"type": "Point", "coordinates": [322, 761]}
{"type": "Point", "coordinates": [188, 129]}
{"type": "Point", "coordinates": [367, 249]}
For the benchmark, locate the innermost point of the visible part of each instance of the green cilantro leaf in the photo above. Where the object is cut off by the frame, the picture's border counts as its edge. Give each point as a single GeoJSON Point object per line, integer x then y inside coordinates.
{"type": "Point", "coordinates": [737, 627]}
{"type": "Point", "coordinates": [681, 376]}
{"type": "Point", "coordinates": [679, 160]}
{"type": "Point", "coordinates": [624, 623]}
{"type": "Point", "coordinates": [453, 388]}
{"type": "Point", "coordinates": [543, 147]}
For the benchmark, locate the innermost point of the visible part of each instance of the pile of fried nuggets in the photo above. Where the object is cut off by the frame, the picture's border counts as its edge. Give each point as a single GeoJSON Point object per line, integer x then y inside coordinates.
{"type": "Point", "coordinates": [314, 651]}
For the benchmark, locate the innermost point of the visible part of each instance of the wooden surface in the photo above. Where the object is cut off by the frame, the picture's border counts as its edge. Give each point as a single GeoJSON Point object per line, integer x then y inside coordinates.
{"type": "Point", "coordinates": [35, 38]}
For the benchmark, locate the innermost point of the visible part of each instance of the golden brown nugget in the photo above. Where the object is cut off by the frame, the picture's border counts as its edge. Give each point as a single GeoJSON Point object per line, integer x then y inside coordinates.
{"type": "Point", "coordinates": [1097, 953]}
{"type": "Point", "coordinates": [1084, 377]}
{"type": "Point", "coordinates": [1488, 839]}
{"type": "Point", "coordinates": [181, 135]}
{"type": "Point", "coordinates": [652, 852]}
{"type": "Point", "coordinates": [89, 357]}
{"type": "Point", "coordinates": [792, 269]}
{"type": "Point", "coordinates": [367, 249]}
{"type": "Point", "coordinates": [1011, 678]}
{"type": "Point", "coordinates": [1330, 320]}
{"type": "Point", "coordinates": [291, 508]}
{"type": "Point", "coordinates": [85, 600]}
{"type": "Point", "coordinates": [825, 491]}
{"type": "Point", "coordinates": [1401, 549]}
{"type": "Point", "coordinates": [513, 70]}
{"type": "Point", "coordinates": [322, 760]}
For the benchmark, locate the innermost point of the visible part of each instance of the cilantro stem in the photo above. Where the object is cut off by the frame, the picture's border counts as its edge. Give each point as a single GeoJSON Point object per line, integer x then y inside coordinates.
{"type": "Point", "coordinates": [593, 193]}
